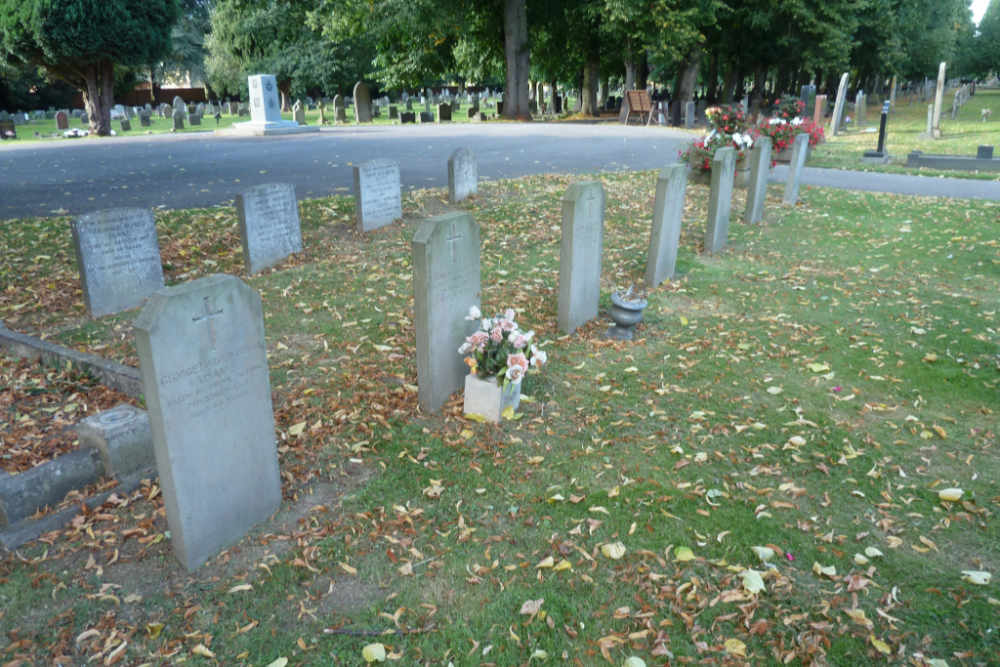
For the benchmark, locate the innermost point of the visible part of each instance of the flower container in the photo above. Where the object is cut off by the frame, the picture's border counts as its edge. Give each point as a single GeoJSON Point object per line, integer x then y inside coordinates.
{"type": "Point", "coordinates": [486, 398]}
{"type": "Point", "coordinates": [626, 312]}
{"type": "Point", "coordinates": [741, 176]}
{"type": "Point", "coordinates": [784, 156]}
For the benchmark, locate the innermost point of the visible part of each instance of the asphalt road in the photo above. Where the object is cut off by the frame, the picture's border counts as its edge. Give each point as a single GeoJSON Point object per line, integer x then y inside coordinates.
{"type": "Point", "coordinates": [192, 170]}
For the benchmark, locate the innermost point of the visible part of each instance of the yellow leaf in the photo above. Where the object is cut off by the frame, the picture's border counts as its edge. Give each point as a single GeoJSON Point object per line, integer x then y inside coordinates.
{"type": "Point", "coordinates": [684, 321]}
{"type": "Point", "coordinates": [736, 647]}
{"type": "Point", "coordinates": [683, 554]}
{"type": "Point", "coordinates": [535, 460]}
{"type": "Point", "coordinates": [940, 431]}
{"type": "Point", "coordinates": [203, 651]}
{"type": "Point", "coordinates": [563, 565]}
{"type": "Point", "coordinates": [280, 662]}
{"type": "Point", "coordinates": [951, 494]}
{"type": "Point", "coordinates": [818, 368]}
{"type": "Point", "coordinates": [763, 553]}
{"type": "Point", "coordinates": [930, 357]}
{"type": "Point", "coordinates": [820, 570]}
{"type": "Point", "coordinates": [858, 616]}
{"type": "Point", "coordinates": [879, 645]}
{"type": "Point", "coordinates": [538, 653]}
{"type": "Point", "coordinates": [509, 414]}
{"type": "Point", "coordinates": [373, 653]}
{"type": "Point", "coordinates": [475, 417]}
{"type": "Point", "coordinates": [465, 434]}
{"type": "Point", "coordinates": [545, 563]}
{"type": "Point", "coordinates": [978, 577]}
{"type": "Point", "coordinates": [872, 552]}
{"type": "Point", "coordinates": [634, 661]}
{"type": "Point", "coordinates": [154, 630]}
{"type": "Point", "coordinates": [347, 568]}
{"type": "Point", "coordinates": [860, 560]}
{"type": "Point", "coordinates": [240, 588]}
{"type": "Point", "coordinates": [613, 550]}
{"type": "Point", "coordinates": [752, 581]}
{"type": "Point", "coordinates": [297, 429]}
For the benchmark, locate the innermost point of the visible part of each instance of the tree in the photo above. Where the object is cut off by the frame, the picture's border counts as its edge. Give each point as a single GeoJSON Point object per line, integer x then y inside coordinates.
{"type": "Point", "coordinates": [988, 40]}
{"type": "Point", "coordinates": [81, 42]}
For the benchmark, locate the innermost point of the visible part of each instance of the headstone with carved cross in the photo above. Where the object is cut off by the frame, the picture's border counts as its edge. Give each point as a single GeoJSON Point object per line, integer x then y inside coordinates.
{"type": "Point", "coordinates": [445, 284]}
{"type": "Point", "coordinates": [118, 256]}
{"type": "Point", "coordinates": [204, 370]}
{"type": "Point", "coordinates": [580, 254]}
{"type": "Point", "coordinates": [377, 196]}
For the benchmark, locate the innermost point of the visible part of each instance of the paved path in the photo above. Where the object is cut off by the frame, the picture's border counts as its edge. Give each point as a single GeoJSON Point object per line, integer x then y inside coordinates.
{"type": "Point", "coordinates": [188, 170]}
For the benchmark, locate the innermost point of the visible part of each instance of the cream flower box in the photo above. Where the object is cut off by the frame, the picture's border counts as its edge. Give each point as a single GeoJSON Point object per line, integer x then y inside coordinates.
{"type": "Point", "coordinates": [486, 398]}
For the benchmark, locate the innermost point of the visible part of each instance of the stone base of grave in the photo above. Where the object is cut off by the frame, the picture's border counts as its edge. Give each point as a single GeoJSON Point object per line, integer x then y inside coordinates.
{"type": "Point", "coordinates": [874, 157]}
{"type": "Point", "coordinates": [252, 129]}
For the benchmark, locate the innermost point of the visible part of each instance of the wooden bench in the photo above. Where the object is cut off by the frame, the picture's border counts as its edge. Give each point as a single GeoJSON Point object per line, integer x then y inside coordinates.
{"type": "Point", "coordinates": [7, 130]}
{"type": "Point", "coordinates": [639, 103]}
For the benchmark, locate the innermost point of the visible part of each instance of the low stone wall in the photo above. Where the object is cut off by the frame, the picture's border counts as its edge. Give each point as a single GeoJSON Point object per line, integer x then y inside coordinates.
{"type": "Point", "coordinates": [958, 162]}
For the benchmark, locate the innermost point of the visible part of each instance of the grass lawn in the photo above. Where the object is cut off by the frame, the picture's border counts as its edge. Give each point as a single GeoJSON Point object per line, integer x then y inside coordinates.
{"type": "Point", "coordinates": [811, 390]}
{"type": "Point", "coordinates": [906, 132]}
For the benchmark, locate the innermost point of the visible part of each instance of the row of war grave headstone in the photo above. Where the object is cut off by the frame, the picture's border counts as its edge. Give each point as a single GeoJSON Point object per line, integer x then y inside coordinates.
{"type": "Point", "coordinates": [201, 344]}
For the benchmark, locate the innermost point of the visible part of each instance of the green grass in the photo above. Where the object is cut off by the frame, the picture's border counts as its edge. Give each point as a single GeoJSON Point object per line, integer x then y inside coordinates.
{"type": "Point", "coordinates": [875, 315]}
{"type": "Point", "coordinates": [906, 132]}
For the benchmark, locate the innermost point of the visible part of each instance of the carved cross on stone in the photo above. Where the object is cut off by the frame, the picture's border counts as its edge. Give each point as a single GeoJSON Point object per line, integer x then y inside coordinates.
{"type": "Point", "coordinates": [452, 238]}
{"type": "Point", "coordinates": [208, 314]}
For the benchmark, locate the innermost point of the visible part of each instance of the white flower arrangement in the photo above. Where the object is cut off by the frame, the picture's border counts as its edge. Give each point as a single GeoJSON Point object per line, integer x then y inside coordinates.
{"type": "Point", "coordinates": [500, 349]}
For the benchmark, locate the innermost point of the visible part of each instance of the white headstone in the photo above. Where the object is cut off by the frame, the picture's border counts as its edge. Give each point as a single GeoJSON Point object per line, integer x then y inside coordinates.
{"type": "Point", "coordinates": [665, 233]}
{"type": "Point", "coordinates": [720, 199]}
{"type": "Point", "coordinates": [580, 254]}
{"type": "Point", "coordinates": [446, 282]}
{"type": "Point", "coordinates": [377, 196]}
{"type": "Point", "coordinates": [838, 106]}
{"type": "Point", "coordinates": [938, 101]}
{"type": "Point", "coordinates": [800, 150]}
{"type": "Point", "coordinates": [463, 175]}
{"type": "Point", "coordinates": [205, 378]}
{"type": "Point", "coordinates": [760, 168]}
{"type": "Point", "coordinates": [269, 225]}
{"type": "Point", "coordinates": [118, 257]}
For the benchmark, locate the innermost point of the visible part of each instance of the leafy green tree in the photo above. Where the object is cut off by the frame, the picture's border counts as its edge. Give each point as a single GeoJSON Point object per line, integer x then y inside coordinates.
{"type": "Point", "coordinates": [987, 42]}
{"type": "Point", "coordinates": [81, 42]}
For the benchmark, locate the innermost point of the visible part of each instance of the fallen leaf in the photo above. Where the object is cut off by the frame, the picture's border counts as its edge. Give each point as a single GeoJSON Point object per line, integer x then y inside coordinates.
{"type": "Point", "coordinates": [763, 553]}
{"type": "Point", "coordinates": [879, 645]}
{"type": "Point", "coordinates": [613, 550]}
{"type": "Point", "coordinates": [531, 607]}
{"type": "Point", "coordinates": [203, 651]}
{"type": "Point", "coordinates": [373, 653]}
{"type": "Point", "coordinates": [978, 577]}
{"type": "Point", "coordinates": [951, 494]}
{"type": "Point", "coordinates": [752, 581]}
{"type": "Point", "coordinates": [736, 647]}
{"type": "Point", "coordinates": [683, 554]}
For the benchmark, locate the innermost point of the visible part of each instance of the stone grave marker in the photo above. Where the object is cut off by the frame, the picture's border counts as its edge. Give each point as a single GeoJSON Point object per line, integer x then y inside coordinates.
{"type": "Point", "coordinates": [426, 117]}
{"type": "Point", "coordinates": [837, 122]}
{"type": "Point", "coordinates": [179, 104]}
{"type": "Point", "coordinates": [407, 117]}
{"type": "Point", "coordinates": [377, 196]}
{"type": "Point", "coordinates": [205, 378]}
{"type": "Point", "coordinates": [299, 113]}
{"type": "Point", "coordinates": [689, 112]}
{"type": "Point", "coordinates": [444, 113]}
{"type": "Point", "coordinates": [121, 437]}
{"type": "Point", "coordinates": [463, 175]}
{"type": "Point", "coordinates": [144, 119]}
{"type": "Point", "coordinates": [119, 258]}
{"type": "Point", "coordinates": [362, 103]}
{"type": "Point", "coordinates": [62, 121]}
{"type": "Point", "coordinates": [760, 167]}
{"type": "Point", "coordinates": [194, 118]}
{"type": "Point", "coordinates": [393, 112]}
{"type": "Point", "coordinates": [178, 118]}
{"type": "Point", "coordinates": [446, 282]}
{"type": "Point", "coordinates": [269, 225]}
{"type": "Point", "coordinates": [720, 200]}
{"type": "Point", "coordinates": [861, 110]}
{"type": "Point", "coordinates": [938, 101]}
{"type": "Point", "coordinates": [665, 233]}
{"type": "Point", "coordinates": [126, 125]}
{"type": "Point", "coordinates": [580, 254]}
{"type": "Point", "coordinates": [819, 110]}
{"type": "Point", "coordinates": [800, 149]}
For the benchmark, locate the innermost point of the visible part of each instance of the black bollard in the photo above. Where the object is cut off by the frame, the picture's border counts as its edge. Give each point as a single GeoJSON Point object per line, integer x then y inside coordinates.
{"type": "Point", "coordinates": [879, 155]}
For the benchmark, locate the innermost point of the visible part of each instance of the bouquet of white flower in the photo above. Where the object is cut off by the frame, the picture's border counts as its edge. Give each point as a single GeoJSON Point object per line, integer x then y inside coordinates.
{"type": "Point", "coordinates": [500, 349]}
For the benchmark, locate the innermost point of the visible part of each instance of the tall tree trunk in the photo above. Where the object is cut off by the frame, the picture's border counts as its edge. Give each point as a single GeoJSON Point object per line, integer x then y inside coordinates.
{"type": "Point", "coordinates": [687, 76]}
{"type": "Point", "coordinates": [98, 96]}
{"type": "Point", "coordinates": [602, 92]}
{"type": "Point", "coordinates": [642, 72]}
{"type": "Point", "coordinates": [631, 67]}
{"type": "Point", "coordinates": [713, 79]}
{"type": "Point", "coordinates": [152, 85]}
{"type": "Point", "coordinates": [588, 92]}
{"type": "Point", "coordinates": [729, 85]}
{"type": "Point", "coordinates": [517, 55]}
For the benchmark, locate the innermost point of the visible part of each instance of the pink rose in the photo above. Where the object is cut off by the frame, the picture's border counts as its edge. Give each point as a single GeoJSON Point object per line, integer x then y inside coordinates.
{"type": "Point", "coordinates": [496, 335]}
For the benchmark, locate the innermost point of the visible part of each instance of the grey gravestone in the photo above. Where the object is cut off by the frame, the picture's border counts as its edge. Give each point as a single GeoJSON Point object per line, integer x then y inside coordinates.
{"type": "Point", "coordinates": [362, 103]}
{"type": "Point", "coordinates": [808, 94]}
{"type": "Point", "coordinates": [119, 258]}
{"type": "Point", "coordinates": [409, 104]}
{"type": "Point", "coordinates": [205, 379]}
{"type": "Point", "coordinates": [121, 437]}
{"type": "Point", "coordinates": [407, 117]}
{"type": "Point", "coordinates": [836, 123]}
{"type": "Point", "coordinates": [84, 119]}
{"type": "Point", "coordinates": [984, 152]}
{"type": "Point", "coordinates": [463, 175]}
{"type": "Point", "coordinates": [665, 233]}
{"type": "Point", "coordinates": [126, 125]}
{"type": "Point", "coordinates": [194, 119]}
{"type": "Point", "coordinates": [444, 113]}
{"type": "Point", "coordinates": [426, 117]}
{"type": "Point", "coordinates": [269, 225]}
{"type": "Point", "coordinates": [445, 284]}
{"type": "Point", "coordinates": [800, 148]}
{"type": "Point", "coordinates": [720, 199]}
{"type": "Point", "coordinates": [62, 121]}
{"type": "Point", "coordinates": [938, 101]}
{"type": "Point", "coordinates": [393, 112]}
{"type": "Point", "coordinates": [144, 119]}
{"type": "Point", "coordinates": [760, 167]}
{"type": "Point", "coordinates": [689, 115]}
{"type": "Point", "coordinates": [179, 104]}
{"type": "Point", "coordinates": [377, 196]}
{"type": "Point", "coordinates": [178, 118]}
{"type": "Point", "coordinates": [299, 113]}
{"type": "Point", "coordinates": [580, 254]}
{"type": "Point", "coordinates": [861, 110]}
{"type": "Point", "coordinates": [166, 110]}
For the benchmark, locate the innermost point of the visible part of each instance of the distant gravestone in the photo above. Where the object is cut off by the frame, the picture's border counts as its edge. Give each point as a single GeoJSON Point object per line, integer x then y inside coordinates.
{"type": "Point", "coordinates": [269, 225]}
{"type": "Point", "coordinates": [444, 113]}
{"type": "Point", "coordinates": [195, 118]}
{"type": "Point", "coordinates": [62, 121]}
{"type": "Point", "coordinates": [446, 282]}
{"type": "Point", "coordinates": [463, 175]}
{"type": "Point", "coordinates": [393, 112]}
{"type": "Point", "coordinates": [377, 196]}
{"type": "Point", "coordinates": [126, 125]}
{"type": "Point", "coordinates": [299, 113]}
{"type": "Point", "coordinates": [426, 117]}
{"type": "Point", "coordinates": [144, 119]}
{"type": "Point", "coordinates": [689, 114]}
{"type": "Point", "coordinates": [178, 118]}
{"type": "Point", "coordinates": [204, 369]}
{"type": "Point", "coordinates": [760, 167]}
{"type": "Point", "coordinates": [720, 200]}
{"type": "Point", "coordinates": [179, 104]}
{"type": "Point", "coordinates": [938, 101]}
{"type": "Point", "coordinates": [409, 104]}
{"type": "Point", "coordinates": [407, 117]}
{"type": "Point", "coordinates": [580, 254]}
{"type": "Point", "coordinates": [861, 109]}
{"type": "Point", "coordinates": [837, 122]}
{"type": "Point", "coordinates": [119, 258]}
{"type": "Point", "coordinates": [166, 110]}
{"type": "Point", "coordinates": [800, 150]}
{"type": "Point", "coordinates": [819, 109]}
{"type": "Point", "coordinates": [362, 103]}
{"type": "Point", "coordinates": [665, 233]}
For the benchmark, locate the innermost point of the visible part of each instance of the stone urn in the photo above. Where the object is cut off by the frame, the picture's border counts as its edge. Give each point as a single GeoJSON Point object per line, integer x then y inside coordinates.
{"type": "Point", "coordinates": [486, 398]}
{"type": "Point", "coordinates": [626, 312]}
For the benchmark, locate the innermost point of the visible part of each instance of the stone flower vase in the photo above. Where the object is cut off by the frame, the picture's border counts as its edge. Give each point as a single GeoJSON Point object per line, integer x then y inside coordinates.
{"type": "Point", "coordinates": [486, 398]}
{"type": "Point", "coordinates": [741, 176]}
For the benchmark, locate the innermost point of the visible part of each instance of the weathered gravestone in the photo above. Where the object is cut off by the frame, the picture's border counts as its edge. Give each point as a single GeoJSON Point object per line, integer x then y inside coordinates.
{"type": "Point", "coordinates": [800, 149]}
{"type": "Point", "coordinates": [179, 104]}
{"type": "Point", "coordinates": [125, 124]}
{"type": "Point", "coordinates": [407, 117]}
{"type": "Point", "coordinates": [299, 113]}
{"type": "Point", "coordinates": [178, 118]}
{"type": "Point", "coordinates": [463, 175]}
{"type": "Point", "coordinates": [444, 113]}
{"type": "Point", "coordinates": [121, 437]}
{"type": "Point", "coordinates": [426, 117]}
{"type": "Point", "coordinates": [362, 103]}
{"type": "Point", "coordinates": [836, 123]}
{"type": "Point", "coordinates": [819, 109]}
{"type": "Point", "coordinates": [665, 233]}
{"type": "Point", "coordinates": [119, 258]}
{"type": "Point", "coordinates": [689, 114]}
{"type": "Point", "coordinates": [393, 112]}
{"type": "Point", "coordinates": [720, 199]}
{"type": "Point", "coordinates": [580, 254]}
{"type": "Point", "coordinates": [269, 225]}
{"type": "Point", "coordinates": [144, 119]}
{"type": "Point", "coordinates": [938, 101]}
{"type": "Point", "coordinates": [205, 379]}
{"type": "Point", "coordinates": [194, 118]}
{"type": "Point", "coordinates": [445, 284]}
{"type": "Point", "coordinates": [377, 196]}
{"type": "Point", "coordinates": [760, 167]}
{"type": "Point", "coordinates": [861, 110]}
{"type": "Point", "coordinates": [62, 121]}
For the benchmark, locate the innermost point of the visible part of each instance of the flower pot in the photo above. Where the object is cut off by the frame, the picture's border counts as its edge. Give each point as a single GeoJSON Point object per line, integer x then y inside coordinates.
{"type": "Point", "coordinates": [486, 398]}
{"type": "Point", "coordinates": [699, 176]}
{"type": "Point", "coordinates": [741, 177]}
{"type": "Point", "coordinates": [784, 156]}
